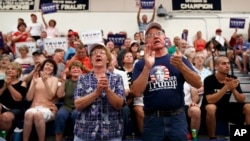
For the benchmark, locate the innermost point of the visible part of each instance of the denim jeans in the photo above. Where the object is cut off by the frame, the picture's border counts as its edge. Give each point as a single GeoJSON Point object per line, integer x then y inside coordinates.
{"type": "Point", "coordinates": [61, 118]}
{"type": "Point", "coordinates": [79, 139]}
{"type": "Point", "coordinates": [168, 128]}
{"type": "Point", "coordinates": [125, 117]}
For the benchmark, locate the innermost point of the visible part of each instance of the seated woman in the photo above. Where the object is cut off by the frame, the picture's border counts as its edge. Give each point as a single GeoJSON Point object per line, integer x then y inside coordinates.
{"type": "Point", "coordinates": [211, 53]}
{"type": "Point", "coordinates": [66, 90]}
{"type": "Point", "coordinates": [24, 59]}
{"type": "Point", "coordinates": [4, 62]}
{"type": "Point", "coordinates": [41, 92]}
{"type": "Point", "coordinates": [12, 91]}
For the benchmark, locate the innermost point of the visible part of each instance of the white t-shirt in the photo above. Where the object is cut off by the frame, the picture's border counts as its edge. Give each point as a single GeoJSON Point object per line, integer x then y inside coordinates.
{"type": "Point", "coordinates": [25, 62]}
{"type": "Point", "coordinates": [36, 29]}
{"type": "Point", "coordinates": [52, 32]}
{"type": "Point", "coordinates": [187, 92]}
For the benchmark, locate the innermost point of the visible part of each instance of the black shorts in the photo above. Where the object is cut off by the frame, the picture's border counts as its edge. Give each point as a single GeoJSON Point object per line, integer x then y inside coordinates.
{"type": "Point", "coordinates": [230, 112]}
{"type": "Point", "coordinates": [36, 37]}
{"type": "Point", "coordinates": [18, 113]}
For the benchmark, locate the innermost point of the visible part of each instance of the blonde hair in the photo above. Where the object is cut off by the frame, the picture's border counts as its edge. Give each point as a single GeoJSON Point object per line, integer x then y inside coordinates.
{"type": "Point", "coordinates": [17, 67]}
{"type": "Point", "coordinates": [23, 47]}
{"type": "Point", "coordinates": [76, 63]}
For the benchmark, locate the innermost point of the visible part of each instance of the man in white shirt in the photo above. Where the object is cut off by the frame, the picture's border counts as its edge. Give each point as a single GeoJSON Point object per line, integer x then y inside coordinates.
{"type": "Point", "coordinates": [36, 28]}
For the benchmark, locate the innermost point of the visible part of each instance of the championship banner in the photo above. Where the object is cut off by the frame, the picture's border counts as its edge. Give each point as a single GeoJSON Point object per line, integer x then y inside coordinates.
{"type": "Point", "coordinates": [117, 39]}
{"type": "Point", "coordinates": [50, 44]}
{"type": "Point", "coordinates": [68, 5]}
{"type": "Point", "coordinates": [237, 23]}
{"type": "Point", "coordinates": [31, 45]}
{"type": "Point", "coordinates": [48, 8]}
{"type": "Point", "coordinates": [17, 5]}
{"type": "Point", "coordinates": [147, 4]}
{"type": "Point", "coordinates": [213, 5]}
{"type": "Point", "coordinates": [1, 40]}
{"type": "Point", "coordinates": [92, 36]}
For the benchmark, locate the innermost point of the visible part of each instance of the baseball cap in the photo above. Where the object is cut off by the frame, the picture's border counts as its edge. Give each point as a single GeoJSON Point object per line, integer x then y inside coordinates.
{"type": "Point", "coordinates": [134, 42]}
{"type": "Point", "coordinates": [151, 25]}
{"type": "Point", "coordinates": [218, 30]}
{"type": "Point", "coordinates": [37, 52]}
{"type": "Point", "coordinates": [94, 45]}
{"type": "Point", "coordinates": [73, 33]}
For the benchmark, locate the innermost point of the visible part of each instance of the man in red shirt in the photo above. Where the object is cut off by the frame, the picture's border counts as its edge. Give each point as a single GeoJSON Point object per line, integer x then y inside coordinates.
{"type": "Point", "coordinates": [81, 55]}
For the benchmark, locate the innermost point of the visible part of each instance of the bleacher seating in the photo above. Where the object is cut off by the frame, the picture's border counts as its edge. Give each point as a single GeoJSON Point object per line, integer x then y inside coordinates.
{"type": "Point", "coordinates": [221, 130]}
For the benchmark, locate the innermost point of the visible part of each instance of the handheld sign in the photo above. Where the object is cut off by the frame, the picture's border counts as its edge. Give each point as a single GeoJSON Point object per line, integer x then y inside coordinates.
{"type": "Point", "coordinates": [117, 39]}
{"type": "Point", "coordinates": [237, 23]}
{"type": "Point", "coordinates": [91, 36]}
{"type": "Point", "coordinates": [50, 44]}
{"type": "Point", "coordinates": [147, 4]}
{"type": "Point", "coordinates": [48, 8]}
{"type": "Point", "coordinates": [1, 40]}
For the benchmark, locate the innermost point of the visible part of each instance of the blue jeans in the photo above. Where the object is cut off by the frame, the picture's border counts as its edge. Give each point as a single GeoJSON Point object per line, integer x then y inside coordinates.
{"type": "Point", "coordinates": [125, 117]}
{"type": "Point", "coordinates": [168, 128]}
{"type": "Point", "coordinates": [61, 118]}
{"type": "Point", "coordinates": [79, 139]}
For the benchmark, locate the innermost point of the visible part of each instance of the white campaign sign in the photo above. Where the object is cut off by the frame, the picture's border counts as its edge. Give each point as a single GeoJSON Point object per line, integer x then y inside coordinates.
{"type": "Point", "coordinates": [50, 44]}
{"type": "Point", "coordinates": [92, 36]}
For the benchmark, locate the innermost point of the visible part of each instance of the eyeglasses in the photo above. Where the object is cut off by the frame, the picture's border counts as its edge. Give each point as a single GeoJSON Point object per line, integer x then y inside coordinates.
{"type": "Point", "coordinates": [101, 52]}
{"type": "Point", "coordinates": [152, 35]}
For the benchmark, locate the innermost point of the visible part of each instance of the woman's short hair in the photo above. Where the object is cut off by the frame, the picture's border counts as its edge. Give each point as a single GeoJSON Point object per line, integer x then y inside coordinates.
{"type": "Point", "coordinates": [6, 56]}
{"type": "Point", "coordinates": [17, 67]}
{"type": "Point", "coordinates": [21, 24]}
{"type": "Point", "coordinates": [52, 20]}
{"type": "Point", "coordinates": [188, 51]}
{"type": "Point", "coordinates": [76, 63]}
{"type": "Point", "coordinates": [49, 60]}
{"type": "Point", "coordinates": [106, 51]}
{"type": "Point", "coordinates": [24, 47]}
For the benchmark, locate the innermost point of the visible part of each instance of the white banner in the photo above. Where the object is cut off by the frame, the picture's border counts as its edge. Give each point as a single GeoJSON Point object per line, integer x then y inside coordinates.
{"type": "Point", "coordinates": [50, 44]}
{"type": "Point", "coordinates": [31, 45]}
{"type": "Point", "coordinates": [92, 36]}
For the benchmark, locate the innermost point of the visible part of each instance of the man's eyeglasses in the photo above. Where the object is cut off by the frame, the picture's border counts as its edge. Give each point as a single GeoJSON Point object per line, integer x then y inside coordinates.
{"type": "Point", "coordinates": [101, 52]}
{"type": "Point", "coordinates": [152, 35]}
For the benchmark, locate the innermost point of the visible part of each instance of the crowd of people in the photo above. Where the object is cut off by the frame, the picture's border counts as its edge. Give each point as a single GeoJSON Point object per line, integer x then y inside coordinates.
{"type": "Point", "coordinates": [168, 87]}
